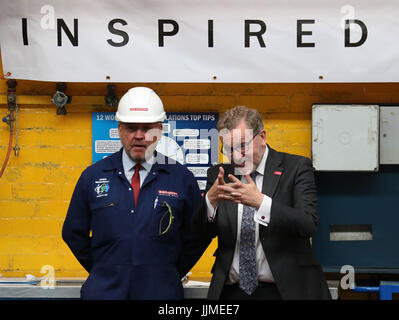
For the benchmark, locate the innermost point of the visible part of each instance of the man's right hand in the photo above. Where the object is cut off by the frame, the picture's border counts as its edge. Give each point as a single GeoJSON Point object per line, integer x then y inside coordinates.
{"type": "Point", "coordinates": [214, 195]}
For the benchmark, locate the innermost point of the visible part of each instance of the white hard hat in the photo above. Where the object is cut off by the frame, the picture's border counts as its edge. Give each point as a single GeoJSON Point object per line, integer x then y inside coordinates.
{"type": "Point", "coordinates": [140, 105]}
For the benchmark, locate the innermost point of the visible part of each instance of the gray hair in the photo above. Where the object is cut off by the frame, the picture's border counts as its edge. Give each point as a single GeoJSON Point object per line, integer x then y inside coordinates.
{"type": "Point", "coordinates": [231, 118]}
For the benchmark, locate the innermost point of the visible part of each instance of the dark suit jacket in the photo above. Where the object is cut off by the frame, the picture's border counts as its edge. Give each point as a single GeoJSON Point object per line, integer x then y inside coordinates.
{"type": "Point", "coordinates": [285, 240]}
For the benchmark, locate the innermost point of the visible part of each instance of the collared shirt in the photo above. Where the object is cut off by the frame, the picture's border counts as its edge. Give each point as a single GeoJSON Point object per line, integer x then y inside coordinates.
{"type": "Point", "coordinates": [261, 216]}
{"type": "Point", "coordinates": [128, 167]}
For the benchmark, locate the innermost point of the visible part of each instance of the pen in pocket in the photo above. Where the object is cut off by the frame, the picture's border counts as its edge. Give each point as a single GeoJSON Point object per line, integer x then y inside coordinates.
{"type": "Point", "coordinates": [156, 202]}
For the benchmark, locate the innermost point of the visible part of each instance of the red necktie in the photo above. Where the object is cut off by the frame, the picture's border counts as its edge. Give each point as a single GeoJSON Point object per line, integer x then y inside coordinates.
{"type": "Point", "coordinates": [136, 182]}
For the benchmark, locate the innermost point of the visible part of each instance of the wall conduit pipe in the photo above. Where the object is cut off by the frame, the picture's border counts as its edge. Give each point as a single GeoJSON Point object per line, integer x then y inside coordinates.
{"type": "Point", "coordinates": [9, 119]}
{"type": "Point", "coordinates": [8, 152]}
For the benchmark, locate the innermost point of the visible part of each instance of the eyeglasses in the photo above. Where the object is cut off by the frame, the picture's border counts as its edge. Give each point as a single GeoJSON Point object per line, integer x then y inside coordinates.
{"type": "Point", "coordinates": [167, 215]}
{"type": "Point", "coordinates": [243, 148]}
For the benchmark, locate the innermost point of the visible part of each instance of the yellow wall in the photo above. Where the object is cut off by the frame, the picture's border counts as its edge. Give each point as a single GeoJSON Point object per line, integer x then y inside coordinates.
{"type": "Point", "coordinates": [37, 185]}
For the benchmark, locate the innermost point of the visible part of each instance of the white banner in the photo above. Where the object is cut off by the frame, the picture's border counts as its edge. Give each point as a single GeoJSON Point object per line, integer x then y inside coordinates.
{"type": "Point", "coordinates": [200, 40]}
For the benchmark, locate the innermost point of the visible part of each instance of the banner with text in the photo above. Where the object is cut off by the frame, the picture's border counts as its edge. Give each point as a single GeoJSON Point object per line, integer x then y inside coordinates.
{"type": "Point", "coordinates": [200, 40]}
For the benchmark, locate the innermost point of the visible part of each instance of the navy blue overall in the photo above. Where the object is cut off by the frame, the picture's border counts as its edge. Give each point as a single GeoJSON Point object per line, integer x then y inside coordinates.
{"type": "Point", "coordinates": [133, 252]}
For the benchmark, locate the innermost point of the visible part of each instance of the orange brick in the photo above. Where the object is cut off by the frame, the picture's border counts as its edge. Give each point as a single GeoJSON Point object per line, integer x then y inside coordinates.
{"type": "Point", "coordinates": [76, 157]}
{"type": "Point", "coordinates": [51, 209]}
{"type": "Point", "coordinates": [36, 191]}
{"type": "Point", "coordinates": [12, 208]}
{"type": "Point", "coordinates": [26, 245]}
{"type": "Point", "coordinates": [17, 227]}
{"type": "Point", "coordinates": [33, 263]}
{"type": "Point", "coordinates": [5, 190]}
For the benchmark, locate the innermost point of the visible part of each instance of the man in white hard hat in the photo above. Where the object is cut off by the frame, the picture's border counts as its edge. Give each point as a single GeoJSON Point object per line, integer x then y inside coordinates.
{"type": "Point", "coordinates": [138, 206]}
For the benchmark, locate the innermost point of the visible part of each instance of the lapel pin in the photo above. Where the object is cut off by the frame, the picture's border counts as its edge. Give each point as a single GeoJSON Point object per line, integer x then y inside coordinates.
{"type": "Point", "coordinates": [279, 173]}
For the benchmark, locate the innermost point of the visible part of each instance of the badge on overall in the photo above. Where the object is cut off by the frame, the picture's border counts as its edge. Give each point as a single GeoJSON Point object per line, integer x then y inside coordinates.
{"type": "Point", "coordinates": [102, 187]}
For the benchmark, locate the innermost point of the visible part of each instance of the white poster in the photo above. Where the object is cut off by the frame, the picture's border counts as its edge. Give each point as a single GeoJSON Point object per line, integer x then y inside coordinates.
{"type": "Point", "coordinates": [200, 40]}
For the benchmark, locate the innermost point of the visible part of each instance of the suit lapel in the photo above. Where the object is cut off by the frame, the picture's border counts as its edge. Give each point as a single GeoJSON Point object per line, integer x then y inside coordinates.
{"type": "Point", "coordinates": [272, 174]}
{"type": "Point", "coordinates": [271, 178]}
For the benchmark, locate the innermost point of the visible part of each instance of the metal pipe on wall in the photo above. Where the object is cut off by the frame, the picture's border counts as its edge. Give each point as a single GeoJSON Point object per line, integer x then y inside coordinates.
{"type": "Point", "coordinates": [10, 119]}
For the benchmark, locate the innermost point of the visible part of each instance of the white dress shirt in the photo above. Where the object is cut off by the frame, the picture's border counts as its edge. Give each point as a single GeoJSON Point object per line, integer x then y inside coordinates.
{"type": "Point", "coordinates": [128, 167]}
{"type": "Point", "coordinates": [261, 216]}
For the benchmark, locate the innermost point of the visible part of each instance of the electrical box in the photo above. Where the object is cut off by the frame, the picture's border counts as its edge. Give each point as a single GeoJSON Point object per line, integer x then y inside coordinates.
{"type": "Point", "coordinates": [359, 220]}
{"type": "Point", "coordinates": [389, 135]}
{"type": "Point", "coordinates": [345, 137]}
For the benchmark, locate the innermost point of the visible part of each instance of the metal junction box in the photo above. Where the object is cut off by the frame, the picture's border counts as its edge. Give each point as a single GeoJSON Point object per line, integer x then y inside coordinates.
{"type": "Point", "coordinates": [345, 137]}
{"type": "Point", "coordinates": [358, 215]}
{"type": "Point", "coordinates": [389, 135]}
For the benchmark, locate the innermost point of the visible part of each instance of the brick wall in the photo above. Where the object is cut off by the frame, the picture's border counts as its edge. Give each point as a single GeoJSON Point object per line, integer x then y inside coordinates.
{"type": "Point", "coordinates": [37, 185]}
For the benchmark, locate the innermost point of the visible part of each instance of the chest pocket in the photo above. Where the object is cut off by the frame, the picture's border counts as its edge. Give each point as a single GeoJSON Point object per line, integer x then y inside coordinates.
{"type": "Point", "coordinates": [105, 195]}
{"type": "Point", "coordinates": [167, 218]}
{"type": "Point", "coordinates": [103, 205]}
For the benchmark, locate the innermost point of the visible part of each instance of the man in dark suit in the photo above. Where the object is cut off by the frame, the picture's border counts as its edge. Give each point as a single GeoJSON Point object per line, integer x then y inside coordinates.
{"type": "Point", "coordinates": [262, 206]}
